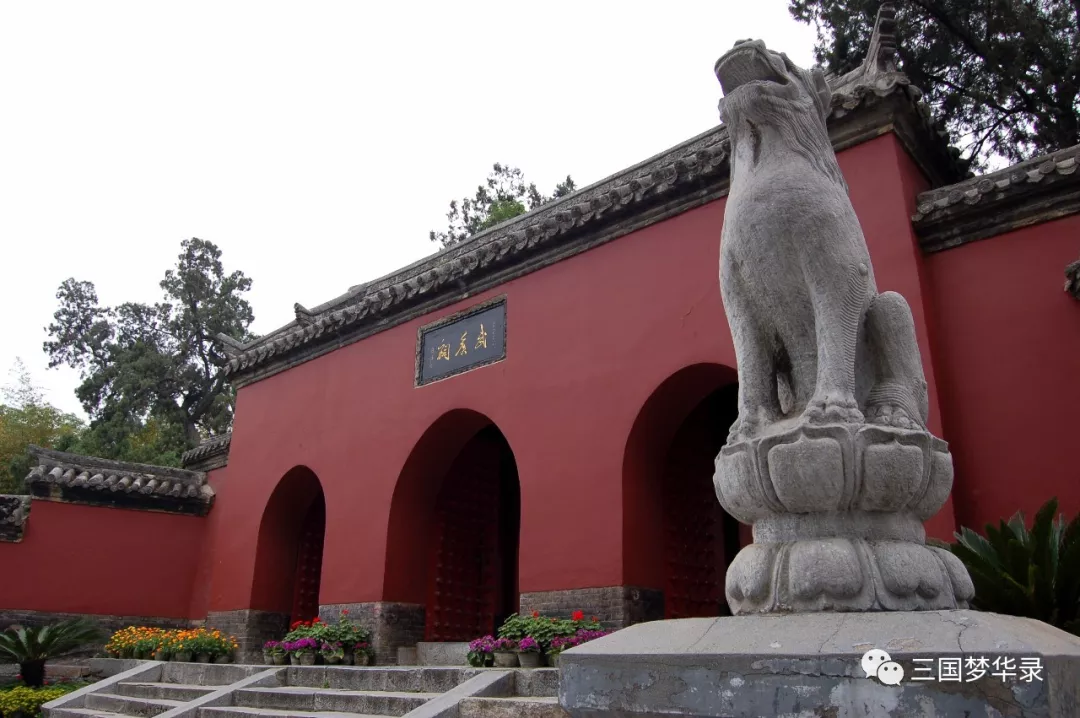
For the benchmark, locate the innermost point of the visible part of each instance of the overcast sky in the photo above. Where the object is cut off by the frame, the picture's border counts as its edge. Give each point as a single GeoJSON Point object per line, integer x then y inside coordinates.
{"type": "Point", "coordinates": [316, 143]}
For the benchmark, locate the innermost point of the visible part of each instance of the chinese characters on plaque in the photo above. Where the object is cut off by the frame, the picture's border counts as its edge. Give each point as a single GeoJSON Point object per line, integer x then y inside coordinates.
{"type": "Point", "coordinates": [475, 339]}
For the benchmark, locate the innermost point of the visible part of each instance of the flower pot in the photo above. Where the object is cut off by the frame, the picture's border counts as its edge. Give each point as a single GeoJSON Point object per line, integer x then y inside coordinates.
{"type": "Point", "coordinates": [332, 660]}
{"type": "Point", "coordinates": [361, 659]}
{"type": "Point", "coordinates": [506, 659]}
{"type": "Point", "coordinates": [307, 659]}
{"type": "Point", "coordinates": [294, 659]}
{"type": "Point", "coordinates": [529, 660]}
{"type": "Point", "coordinates": [553, 659]}
{"type": "Point", "coordinates": [182, 656]}
{"type": "Point", "coordinates": [279, 659]}
{"type": "Point", "coordinates": [161, 656]}
{"type": "Point", "coordinates": [203, 657]}
{"type": "Point", "coordinates": [347, 659]}
{"type": "Point", "coordinates": [268, 659]}
{"type": "Point", "coordinates": [223, 658]}
{"type": "Point", "coordinates": [33, 672]}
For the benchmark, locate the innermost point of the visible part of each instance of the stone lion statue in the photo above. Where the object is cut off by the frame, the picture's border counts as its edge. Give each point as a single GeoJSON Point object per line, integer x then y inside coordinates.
{"type": "Point", "coordinates": [814, 340]}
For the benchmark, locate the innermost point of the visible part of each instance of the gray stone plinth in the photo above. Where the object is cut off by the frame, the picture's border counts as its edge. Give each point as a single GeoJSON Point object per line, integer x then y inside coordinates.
{"type": "Point", "coordinates": [615, 606]}
{"type": "Point", "coordinates": [442, 653]}
{"type": "Point", "coordinates": [393, 625]}
{"type": "Point", "coordinates": [252, 628]}
{"type": "Point", "coordinates": [810, 665]}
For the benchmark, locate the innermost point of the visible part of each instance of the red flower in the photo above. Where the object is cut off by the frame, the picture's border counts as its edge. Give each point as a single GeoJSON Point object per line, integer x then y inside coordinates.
{"type": "Point", "coordinates": [577, 615]}
{"type": "Point", "coordinates": [594, 618]}
{"type": "Point", "coordinates": [344, 612]}
{"type": "Point", "coordinates": [536, 614]}
{"type": "Point", "coordinates": [316, 620]}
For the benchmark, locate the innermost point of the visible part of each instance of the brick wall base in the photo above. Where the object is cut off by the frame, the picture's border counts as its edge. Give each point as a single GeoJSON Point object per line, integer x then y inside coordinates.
{"type": "Point", "coordinates": [392, 625]}
{"type": "Point", "coordinates": [615, 606]}
{"type": "Point", "coordinates": [252, 629]}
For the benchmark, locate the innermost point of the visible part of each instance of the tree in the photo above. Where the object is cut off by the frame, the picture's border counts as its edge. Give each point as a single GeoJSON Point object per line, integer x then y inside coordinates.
{"type": "Point", "coordinates": [152, 375]}
{"type": "Point", "coordinates": [1003, 75]}
{"type": "Point", "coordinates": [26, 418]}
{"type": "Point", "coordinates": [503, 196]}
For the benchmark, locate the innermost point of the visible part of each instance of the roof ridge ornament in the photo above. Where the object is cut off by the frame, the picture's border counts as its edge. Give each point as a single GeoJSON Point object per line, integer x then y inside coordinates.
{"type": "Point", "coordinates": [230, 346]}
{"type": "Point", "coordinates": [881, 55]}
{"type": "Point", "coordinates": [304, 316]}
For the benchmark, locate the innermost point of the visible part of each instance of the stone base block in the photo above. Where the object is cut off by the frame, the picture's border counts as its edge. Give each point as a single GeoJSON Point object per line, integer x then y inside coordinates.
{"type": "Point", "coordinates": [443, 653]}
{"type": "Point", "coordinates": [813, 665]}
{"type": "Point", "coordinates": [392, 625]}
{"type": "Point", "coordinates": [406, 656]}
{"type": "Point", "coordinates": [615, 606]}
{"type": "Point", "coordinates": [252, 629]}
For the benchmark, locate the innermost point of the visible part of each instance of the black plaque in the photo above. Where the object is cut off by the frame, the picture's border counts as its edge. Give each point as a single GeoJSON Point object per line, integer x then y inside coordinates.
{"type": "Point", "coordinates": [462, 342]}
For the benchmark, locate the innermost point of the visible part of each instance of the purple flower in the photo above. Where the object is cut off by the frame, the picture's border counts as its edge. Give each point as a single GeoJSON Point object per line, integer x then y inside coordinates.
{"type": "Point", "coordinates": [585, 634]}
{"type": "Point", "coordinates": [528, 645]}
{"type": "Point", "coordinates": [504, 644]}
{"type": "Point", "coordinates": [484, 644]}
{"type": "Point", "coordinates": [304, 644]}
{"type": "Point", "coordinates": [269, 645]}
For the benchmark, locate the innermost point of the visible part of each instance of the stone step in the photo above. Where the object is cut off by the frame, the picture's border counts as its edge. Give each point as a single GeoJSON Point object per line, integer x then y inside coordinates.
{"type": "Point", "coordinates": [519, 707]}
{"type": "Point", "coordinates": [240, 712]}
{"type": "Point", "coordinates": [82, 713]}
{"type": "Point", "coordinates": [168, 691]}
{"type": "Point", "coordinates": [537, 683]}
{"type": "Point", "coordinates": [129, 706]}
{"type": "Point", "coordinates": [380, 678]}
{"type": "Point", "coordinates": [207, 674]}
{"type": "Point", "coordinates": [318, 700]}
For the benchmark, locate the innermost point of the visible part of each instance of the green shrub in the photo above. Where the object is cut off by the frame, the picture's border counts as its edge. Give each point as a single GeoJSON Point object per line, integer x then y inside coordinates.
{"type": "Point", "coordinates": [28, 701]}
{"type": "Point", "coordinates": [1034, 574]}
{"type": "Point", "coordinates": [31, 647]}
{"type": "Point", "coordinates": [543, 629]}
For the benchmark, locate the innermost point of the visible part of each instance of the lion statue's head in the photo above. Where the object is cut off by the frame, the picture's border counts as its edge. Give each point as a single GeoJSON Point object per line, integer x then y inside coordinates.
{"type": "Point", "coordinates": [764, 89]}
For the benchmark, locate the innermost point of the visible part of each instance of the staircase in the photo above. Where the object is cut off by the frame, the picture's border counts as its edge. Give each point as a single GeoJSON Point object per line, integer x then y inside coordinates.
{"type": "Point", "coordinates": [188, 690]}
{"type": "Point", "coordinates": [175, 686]}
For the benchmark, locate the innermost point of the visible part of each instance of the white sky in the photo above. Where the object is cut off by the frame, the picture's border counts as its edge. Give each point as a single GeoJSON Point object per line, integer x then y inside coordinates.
{"type": "Point", "coordinates": [316, 143]}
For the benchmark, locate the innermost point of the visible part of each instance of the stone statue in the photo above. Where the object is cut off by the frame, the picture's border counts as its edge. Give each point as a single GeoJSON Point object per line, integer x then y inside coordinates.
{"type": "Point", "coordinates": [830, 458]}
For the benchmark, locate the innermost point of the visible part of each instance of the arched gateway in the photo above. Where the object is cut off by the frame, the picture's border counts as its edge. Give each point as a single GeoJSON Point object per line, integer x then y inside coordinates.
{"type": "Point", "coordinates": [454, 522]}
{"type": "Point", "coordinates": [288, 561]}
{"type": "Point", "coordinates": [678, 537]}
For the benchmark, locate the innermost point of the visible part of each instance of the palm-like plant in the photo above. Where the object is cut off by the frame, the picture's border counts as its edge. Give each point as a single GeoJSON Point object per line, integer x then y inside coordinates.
{"type": "Point", "coordinates": [31, 647]}
{"type": "Point", "coordinates": [1033, 573]}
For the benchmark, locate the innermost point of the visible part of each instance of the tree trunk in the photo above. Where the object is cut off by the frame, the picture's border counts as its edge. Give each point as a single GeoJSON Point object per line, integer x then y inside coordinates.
{"type": "Point", "coordinates": [33, 673]}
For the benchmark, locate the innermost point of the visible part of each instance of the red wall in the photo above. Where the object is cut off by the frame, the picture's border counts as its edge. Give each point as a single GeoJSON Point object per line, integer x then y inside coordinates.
{"type": "Point", "coordinates": [1008, 349]}
{"type": "Point", "coordinates": [89, 559]}
{"type": "Point", "coordinates": [589, 340]}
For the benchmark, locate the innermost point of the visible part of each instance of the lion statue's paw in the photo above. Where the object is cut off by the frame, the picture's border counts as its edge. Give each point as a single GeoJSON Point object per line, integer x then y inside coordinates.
{"type": "Point", "coordinates": [833, 409]}
{"type": "Point", "coordinates": [890, 415]}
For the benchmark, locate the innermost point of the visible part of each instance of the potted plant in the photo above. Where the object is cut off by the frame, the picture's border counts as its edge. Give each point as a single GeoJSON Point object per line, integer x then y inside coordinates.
{"type": "Point", "coordinates": [528, 652]}
{"type": "Point", "coordinates": [362, 654]}
{"type": "Point", "coordinates": [304, 651]}
{"type": "Point", "coordinates": [181, 646]}
{"type": "Point", "coordinates": [332, 653]}
{"type": "Point", "coordinates": [31, 647]}
{"type": "Point", "coordinates": [481, 652]}
{"type": "Point", "coordinates": [227, 645]}
{"type": "Point", "coordinates": [349, 634]}
{"type": "Point", "coordinates": [505, 652]}
{"type": "Point", "coordinates": [557, 646]}
{"type": "Point", "coordinates": [269, 650]}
